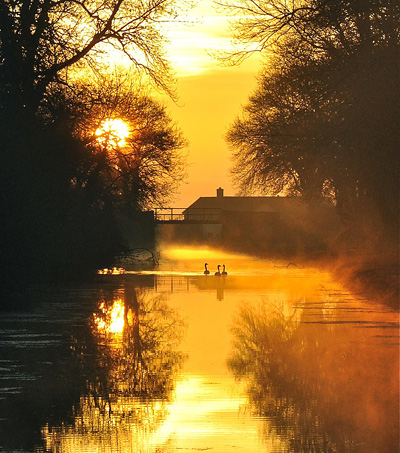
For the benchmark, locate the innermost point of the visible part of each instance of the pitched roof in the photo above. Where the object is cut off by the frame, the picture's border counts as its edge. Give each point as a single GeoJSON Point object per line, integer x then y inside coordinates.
{"type": "Point", "coordinates": [246, 204]}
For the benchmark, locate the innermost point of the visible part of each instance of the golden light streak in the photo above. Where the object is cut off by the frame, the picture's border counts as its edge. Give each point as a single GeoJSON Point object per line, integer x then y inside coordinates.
{"type": "Point", "coordinates": [188, 253]}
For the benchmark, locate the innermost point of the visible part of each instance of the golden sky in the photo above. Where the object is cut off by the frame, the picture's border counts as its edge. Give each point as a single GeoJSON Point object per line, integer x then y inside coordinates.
{"type": "Point", "coordinates": [210, 97]}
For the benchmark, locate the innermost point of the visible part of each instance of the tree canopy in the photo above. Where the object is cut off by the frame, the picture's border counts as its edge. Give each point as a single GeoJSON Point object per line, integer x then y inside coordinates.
{"type": "Point", "coordinates": [139, 172]}
{"type": "Point", "coordinates": [64, 192]}
{"type": "Point", "coordinates": [324, 119]}
{"type": "Point", "coordinates": [42, 39]}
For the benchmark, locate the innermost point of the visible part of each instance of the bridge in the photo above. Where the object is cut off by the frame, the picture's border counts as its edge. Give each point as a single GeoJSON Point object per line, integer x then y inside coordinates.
{"type": "Point", "coordinates": [187, 215]}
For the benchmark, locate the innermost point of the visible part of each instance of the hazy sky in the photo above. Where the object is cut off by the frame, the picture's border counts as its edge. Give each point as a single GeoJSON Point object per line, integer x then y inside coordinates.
{"type": "Point", "coordinates": [210, 97]}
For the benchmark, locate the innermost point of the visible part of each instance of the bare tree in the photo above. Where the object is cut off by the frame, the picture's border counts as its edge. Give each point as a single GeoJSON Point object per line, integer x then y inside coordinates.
{"type": "Point", "coordinates": [41, 39]}
{"type": "Point", "coordinates": [329, 28]}
{"type": "Point", "coordinates": [54, 178]}
{"type": "Point", "coordinates": [325, 116]}
{"type": "Point", "coordinates": [277, 143]}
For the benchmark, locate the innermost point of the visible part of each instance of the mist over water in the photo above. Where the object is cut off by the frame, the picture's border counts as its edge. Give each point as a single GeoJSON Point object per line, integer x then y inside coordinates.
{"type": "Point", "coordinates": [273, 357]}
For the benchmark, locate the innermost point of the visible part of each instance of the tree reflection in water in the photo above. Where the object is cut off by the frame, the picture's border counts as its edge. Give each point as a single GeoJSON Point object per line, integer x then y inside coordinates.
{"type": "Point", "coordinates": [130, 359]}
{"type": "Point", "coordinates": [323, 386]}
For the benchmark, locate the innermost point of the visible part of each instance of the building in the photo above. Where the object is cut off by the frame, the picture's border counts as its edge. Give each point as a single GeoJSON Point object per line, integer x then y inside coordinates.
{"type": "Point", "coordinates": [278, 223]}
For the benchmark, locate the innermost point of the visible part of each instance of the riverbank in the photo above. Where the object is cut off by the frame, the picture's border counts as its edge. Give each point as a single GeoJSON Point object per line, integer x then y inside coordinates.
{"type": "Point", "coordinates": [377, 278]}
{"type": "Point", "coordinates": [371, 275]}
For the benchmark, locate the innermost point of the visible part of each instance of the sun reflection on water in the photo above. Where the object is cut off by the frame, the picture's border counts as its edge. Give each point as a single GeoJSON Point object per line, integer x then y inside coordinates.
{"type": "Point", "coordinates": [285, 359]}
{"type": "Point", "coordinates": [111, 318]}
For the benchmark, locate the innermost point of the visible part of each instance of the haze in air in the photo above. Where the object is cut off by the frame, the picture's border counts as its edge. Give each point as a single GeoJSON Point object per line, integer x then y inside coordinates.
{"type": "Point", "coordinates": [199, 235]}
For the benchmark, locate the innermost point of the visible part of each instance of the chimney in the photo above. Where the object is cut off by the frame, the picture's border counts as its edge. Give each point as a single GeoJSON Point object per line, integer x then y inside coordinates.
{"type": "Point", "coordinates": [220, 192]}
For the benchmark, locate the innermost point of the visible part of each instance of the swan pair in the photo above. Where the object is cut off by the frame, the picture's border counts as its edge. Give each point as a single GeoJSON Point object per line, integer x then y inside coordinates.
{"type": "Point", "coordinates": [218, 273]}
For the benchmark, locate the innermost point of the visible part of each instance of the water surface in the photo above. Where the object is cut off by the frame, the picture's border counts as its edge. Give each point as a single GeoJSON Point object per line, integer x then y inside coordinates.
{"type": "Point", "coordinates": [273, 357]}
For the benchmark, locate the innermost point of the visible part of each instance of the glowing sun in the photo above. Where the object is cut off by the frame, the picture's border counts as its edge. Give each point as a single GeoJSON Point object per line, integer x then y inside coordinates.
{"type": "Point", "coordinates": [113, 132]}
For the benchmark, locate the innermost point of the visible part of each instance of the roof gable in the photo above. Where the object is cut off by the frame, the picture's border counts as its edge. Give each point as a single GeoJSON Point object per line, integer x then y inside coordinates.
{"type": "Point", "coordinates": [246, 204]}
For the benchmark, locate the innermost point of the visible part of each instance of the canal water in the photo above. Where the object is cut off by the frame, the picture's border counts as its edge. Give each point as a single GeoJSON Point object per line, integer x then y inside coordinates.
{"type": "Point", "coordinates": [273, 357]}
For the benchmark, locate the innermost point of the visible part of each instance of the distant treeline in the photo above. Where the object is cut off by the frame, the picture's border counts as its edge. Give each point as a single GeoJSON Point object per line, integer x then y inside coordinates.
{"type": "Point", "coordinates": [71, 189]}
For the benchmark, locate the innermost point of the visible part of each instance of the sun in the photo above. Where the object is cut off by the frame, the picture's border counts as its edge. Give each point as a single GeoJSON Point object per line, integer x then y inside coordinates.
{"type": "Point", "coordinates": [113, 132]}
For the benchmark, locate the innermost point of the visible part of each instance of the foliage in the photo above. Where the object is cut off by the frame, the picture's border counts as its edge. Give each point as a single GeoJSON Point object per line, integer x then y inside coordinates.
{"type": "Point", "coordinates": [324, 119]}
{"type": "Point", "coordinates": [41, 39]}
{"type": "Point", "coordinates": [64, 196]}
{"type": "Point", "coordinates": [144, 170]}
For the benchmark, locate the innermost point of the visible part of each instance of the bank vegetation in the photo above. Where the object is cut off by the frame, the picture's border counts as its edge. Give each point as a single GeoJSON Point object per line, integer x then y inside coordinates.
{"type": "Point", "coordinates": [71, 187]}
{"type": "Point", "coordinates": [323, 121]}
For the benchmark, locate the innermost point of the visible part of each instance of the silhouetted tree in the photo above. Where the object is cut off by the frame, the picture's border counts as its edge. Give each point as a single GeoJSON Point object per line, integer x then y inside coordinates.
{"type": "Point", "coordinates": [58, 206]}
{"type": "Point", "coordinates": [324, 119]}
{"type": "Point", "coordinates": [126, 176]}
{"type": "Point", "coordinates": [333, 29]}
{"type": "Point", "coordinates": [41, 39]}
{"type": "Point", "coordinates": [277, 143]}
{"type": "Point", "coordinates": [147, 168]}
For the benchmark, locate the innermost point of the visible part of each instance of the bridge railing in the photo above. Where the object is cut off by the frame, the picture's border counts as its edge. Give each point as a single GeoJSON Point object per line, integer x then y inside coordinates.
{"type": "Point", "coordinates": [187, 214]}
{"type": "Point", "coordinates": [169, 214]}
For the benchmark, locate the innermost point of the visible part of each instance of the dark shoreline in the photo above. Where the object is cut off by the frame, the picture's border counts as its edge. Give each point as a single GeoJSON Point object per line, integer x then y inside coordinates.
{"type": "Point", "coordinates": [378, 279]}
{"type": "Point", "coordinates": [373, 276]}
